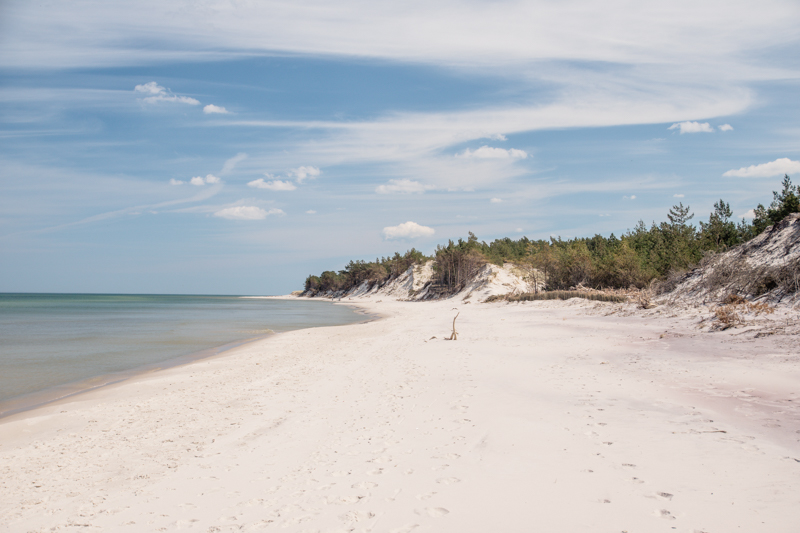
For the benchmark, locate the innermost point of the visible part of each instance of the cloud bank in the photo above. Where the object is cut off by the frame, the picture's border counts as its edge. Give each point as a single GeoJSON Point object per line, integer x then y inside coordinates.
{"type": "Point", "coordinates": [778, 167]}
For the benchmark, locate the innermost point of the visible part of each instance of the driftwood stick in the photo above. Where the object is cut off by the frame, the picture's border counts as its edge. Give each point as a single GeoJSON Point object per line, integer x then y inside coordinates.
{"type": "Point", "coordinates": [454, 335]}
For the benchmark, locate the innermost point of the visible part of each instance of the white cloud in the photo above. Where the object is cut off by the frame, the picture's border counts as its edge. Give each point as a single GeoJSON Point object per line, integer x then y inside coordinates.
{"type": "Point", "coordinates": [211, 108]}
{"type": "Point", "coordinates": [200, 181]}
{"type": "Point", "coordinates": [749, 214]}
{"type": "Point", "coordinates": [231, 163]}
{"type": "Point", "coordinates": [272, 185]}
{"type": "Point", "coordinates": [402, 186]}
{"type": "Point", "coordinates": [157, 93]}
{"type": "Point", "coordinates": [488, 152]}
{"type": "Point", "coordinates": [692, 127]}
{"type": "Point", "coordinates": [246, 212]}
{"type": "Point", "coordinates": [301, 173]}
{"type": "Point", "coordinates": [496, 200]}
{"type": "Point", "coordinates": [151, 88]}
{"type": "Point", "coordinates": [173, 181]}
{"type": "Point", "coordinates": [496, 137]}
{"type": "Point", "coordinates": [407, 230]}
{"type": "Point", "coordinates": [311, 212]}
{"type": "Point", "coordinates": [778, 167]}
{"type": "Point", "coordinates": [518, 230]}
{"type": "Point", "coordinates": [631, 197]}
{"type": "Point", "coordinates": [677, 196]}
{"type": "Point", "coordinates": [725, 127]}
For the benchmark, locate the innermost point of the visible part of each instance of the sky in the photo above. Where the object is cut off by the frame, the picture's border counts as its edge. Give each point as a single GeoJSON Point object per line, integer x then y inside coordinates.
{"type": "Point", "coordinates": [235, 147]}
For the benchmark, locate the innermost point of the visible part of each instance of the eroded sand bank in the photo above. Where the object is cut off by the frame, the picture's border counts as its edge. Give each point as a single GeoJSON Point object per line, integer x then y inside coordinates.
{"type": "Point", "coordinates": [544, 416]}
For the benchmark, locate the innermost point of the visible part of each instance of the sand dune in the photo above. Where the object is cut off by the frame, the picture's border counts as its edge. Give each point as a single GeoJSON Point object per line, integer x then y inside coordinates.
{"type": "Point", "coordinates": [544, 416]}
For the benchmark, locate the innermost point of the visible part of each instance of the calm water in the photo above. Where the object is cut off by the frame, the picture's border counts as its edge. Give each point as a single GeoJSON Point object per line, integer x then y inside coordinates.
{"type": "Point", "coordinates": [48, 340]}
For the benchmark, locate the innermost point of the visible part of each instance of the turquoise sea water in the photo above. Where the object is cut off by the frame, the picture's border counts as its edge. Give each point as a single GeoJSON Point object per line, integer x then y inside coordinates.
{"type": "Point", "coordinates": [50, 340]}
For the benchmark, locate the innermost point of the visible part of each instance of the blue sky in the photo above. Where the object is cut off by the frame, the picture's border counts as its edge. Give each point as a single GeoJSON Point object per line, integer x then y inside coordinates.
{"type": "Point", "coordinates": [235, 147]}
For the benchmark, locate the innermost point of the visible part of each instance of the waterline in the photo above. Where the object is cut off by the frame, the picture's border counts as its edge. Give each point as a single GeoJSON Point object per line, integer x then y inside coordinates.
{"type": "Point", "coordinates": [52, 345]}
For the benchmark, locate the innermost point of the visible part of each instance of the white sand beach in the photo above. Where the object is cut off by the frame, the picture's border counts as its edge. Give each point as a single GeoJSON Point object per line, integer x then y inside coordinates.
{"type": "Point", "coordinates": [543, 416]}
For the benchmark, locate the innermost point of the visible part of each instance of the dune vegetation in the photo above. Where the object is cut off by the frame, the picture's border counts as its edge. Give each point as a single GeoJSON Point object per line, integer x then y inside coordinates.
{"type": "Point", "coordinates": [634, 259]}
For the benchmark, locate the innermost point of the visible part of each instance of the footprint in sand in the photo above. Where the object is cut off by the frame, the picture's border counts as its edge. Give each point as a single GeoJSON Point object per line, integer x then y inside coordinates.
{"type": "Point", "coordinates": [357, 516]}
{"type": "Point", "coordinates": [341, 473]}
{"type": "Point", "coordinates": [427, 496]}
{"type": "Point", "coordinates": [342, 500]}
{"type": "Point", "coordinates": [663, 513]}
{"type": "Point", "coordinates": [375, 472]}
{"type": "Point", "coordinates": [448, 480]}
{"type": "Point", "coordinates": [664, 495]}
{"type": "Point", "coordinates": [432, 511]}
{"type": "Point", "coordinates": [364, 485]}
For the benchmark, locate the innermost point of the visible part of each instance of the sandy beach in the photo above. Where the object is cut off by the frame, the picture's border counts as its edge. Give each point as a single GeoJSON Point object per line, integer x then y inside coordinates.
{"type": "Point", "coordinates": [542, 416]}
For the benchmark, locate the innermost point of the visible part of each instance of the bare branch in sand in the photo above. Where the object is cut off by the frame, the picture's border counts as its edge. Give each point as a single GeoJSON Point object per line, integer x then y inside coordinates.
{"type": "Point", "coordinates": [454, 335]}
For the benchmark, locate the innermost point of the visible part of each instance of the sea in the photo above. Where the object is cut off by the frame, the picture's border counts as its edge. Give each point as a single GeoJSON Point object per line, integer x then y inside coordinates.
{"type": "Point", "coordinates": [56, 345]}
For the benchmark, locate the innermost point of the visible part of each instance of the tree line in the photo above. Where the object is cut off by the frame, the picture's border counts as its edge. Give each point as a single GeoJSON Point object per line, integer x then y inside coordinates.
{"type": "Point", "coordinates": [636, 258]}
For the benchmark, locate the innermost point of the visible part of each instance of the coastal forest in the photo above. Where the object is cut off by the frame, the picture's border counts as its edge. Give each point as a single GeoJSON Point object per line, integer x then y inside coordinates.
{"type": "Point", "coordinates": [636, 258]}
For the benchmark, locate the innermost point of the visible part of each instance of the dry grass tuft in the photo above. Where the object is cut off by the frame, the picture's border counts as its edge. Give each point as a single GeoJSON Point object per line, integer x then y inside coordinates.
{"type": "Point", "coordinates": [733, 308]}
{"type": "Point", "coordinates": [557, 295]}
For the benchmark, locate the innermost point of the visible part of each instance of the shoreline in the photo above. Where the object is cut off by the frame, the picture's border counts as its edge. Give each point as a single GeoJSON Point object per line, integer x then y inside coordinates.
{"type": "Point", "coordinates": [65, 391]}
{"type": "Point", "coordinates": [544, 412]}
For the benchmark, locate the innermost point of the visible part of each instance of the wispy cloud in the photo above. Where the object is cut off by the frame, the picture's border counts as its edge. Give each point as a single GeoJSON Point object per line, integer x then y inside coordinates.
{"type": "Point", "coordinates": [211, 109]}
{"type": "Point", "coordinates": [417, 144]}
{"type": "Point", "coordinates": [231, 163]}
{"type": "Point", "coordinates": [496, 200]}
{"type": "Point", "coordinates": [156, 93]}
{"type": "Point", "coordinates": [710, 36]}
{"type": "Point", "coordinates": [677, 196]}
{"type": "Point", "coordinates": [725, 127]}
{"type": "Point", "coordinates": [692, 127]}
{"type": "Point", "coordinates": [780, 166]}
{"type": "Point", "coordinates": [401, 186]}
{"type": "Point", "coordinates": [272, 185]}
{"type": "Point", "coordinates": [407, 230]}
{"type": "Point", "coordinates": [247, 212]}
